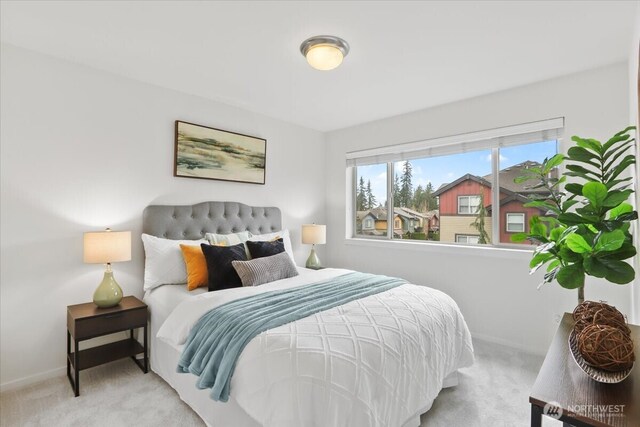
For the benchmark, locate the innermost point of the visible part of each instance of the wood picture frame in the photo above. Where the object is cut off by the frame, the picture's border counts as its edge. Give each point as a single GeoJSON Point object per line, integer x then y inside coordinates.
{"type": "Point", "coordinates": [208, 153]}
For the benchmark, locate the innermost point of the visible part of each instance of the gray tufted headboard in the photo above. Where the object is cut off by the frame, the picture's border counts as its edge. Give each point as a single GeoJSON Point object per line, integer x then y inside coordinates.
{"type": "Point", "coordinates": [194, 221]}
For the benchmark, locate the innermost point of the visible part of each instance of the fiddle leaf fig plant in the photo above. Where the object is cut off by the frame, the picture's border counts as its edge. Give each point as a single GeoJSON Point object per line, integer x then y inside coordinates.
{"type": "Point", "coordinates": [586, 228]}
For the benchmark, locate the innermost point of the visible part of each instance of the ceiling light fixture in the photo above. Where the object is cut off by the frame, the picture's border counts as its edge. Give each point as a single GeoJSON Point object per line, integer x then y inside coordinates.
{"type": "Point", "coordinates": [324, 52]}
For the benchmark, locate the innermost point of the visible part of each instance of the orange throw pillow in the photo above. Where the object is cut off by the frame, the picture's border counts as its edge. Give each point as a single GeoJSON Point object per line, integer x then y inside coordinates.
{"type": "Point", "coordinates": [197, 274]}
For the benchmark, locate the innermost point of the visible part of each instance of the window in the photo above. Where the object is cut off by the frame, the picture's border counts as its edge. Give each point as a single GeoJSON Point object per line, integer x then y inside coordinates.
{"type": "Point", "coordinates": [515, 222]}
{"type": "Point", "coordinates": [370, 198]}
{"type": "Point", "coordinates": [456, 189]}
{"type": "Point", "coordinates": [468, 205]}
{"type": "Point", "coordinates": [465, 238]}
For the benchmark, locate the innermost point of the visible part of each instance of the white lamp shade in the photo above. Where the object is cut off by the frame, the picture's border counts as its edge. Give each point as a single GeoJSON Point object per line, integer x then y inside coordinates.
{"type": "Point", "coordinates": [314, 234]}
{"type": "Point", "coordinates": [102, 247]}
{"type": "Point", "coordinates": [324, 57]}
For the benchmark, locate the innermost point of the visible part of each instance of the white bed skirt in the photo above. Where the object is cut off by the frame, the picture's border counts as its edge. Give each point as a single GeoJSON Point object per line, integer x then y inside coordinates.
{"type": "Point", "coordinates": [164, 360]}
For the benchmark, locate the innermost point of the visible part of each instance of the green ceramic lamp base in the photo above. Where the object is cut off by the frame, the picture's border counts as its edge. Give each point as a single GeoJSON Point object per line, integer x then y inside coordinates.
{"type": "Point", "coordinates": [313, 261]}
{"type": "Point", "coordinates": [108, 293]}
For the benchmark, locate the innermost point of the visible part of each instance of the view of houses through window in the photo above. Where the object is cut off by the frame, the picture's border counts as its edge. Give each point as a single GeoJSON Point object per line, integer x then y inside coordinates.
{"type": "Point", "coordinates": [450, 198]}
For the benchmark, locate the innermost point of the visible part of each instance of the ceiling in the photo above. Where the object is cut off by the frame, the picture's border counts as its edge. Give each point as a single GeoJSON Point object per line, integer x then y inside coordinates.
{"type": "Point", "coordinates": [405, 56]}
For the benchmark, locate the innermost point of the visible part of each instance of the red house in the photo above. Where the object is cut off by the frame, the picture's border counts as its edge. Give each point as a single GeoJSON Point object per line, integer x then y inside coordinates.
{"type": "Point", "coordinates": [459, 202]}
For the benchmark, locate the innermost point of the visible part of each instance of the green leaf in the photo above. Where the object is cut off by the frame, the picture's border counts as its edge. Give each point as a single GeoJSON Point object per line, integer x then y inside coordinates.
{"type": "Point", "coordinates": [556, 233]}
{"type": "Point", "coordinates": [570, 218]}
{"type": "Point", "coordinates": [574, 188]}
{"type": "Point", "coordinates": [582, 171]}
{"type": "Point", "coordinates": [519, 237]}
{"type": "Point", "coordinates": [614, 140]}
{"type": "Point", "coordinates": [577, 244]}
{"type": "Point", "coordinates": [609, 241]}
{"type": "Point", "coordinates": [596, 192]}
{"type": "Point", "coordinates": [579, 154]}
{"type": "Point", "coordinates": [613, 183]}
{"type": "Point", "coordinates": [615, 197]}
{"type": "Point", "coordinates": [553, 162]}
{"type": "Point", "coordinates": [538, 260]}
{"type": "Point", "coordinates": [625, 252]}
{"type": "Point", "coordinates": [618, 271]}
{"type": "Point", "coordinates": [543, 205]}
{"type": "Point", "coordinates": [568, 204]}
{"type": "Point", "coordinates": [615, 153]}
{"type": "Point", "coordinates": [553, 265]}
{"type": "Point", "coordinates": [538, 227]}
{"type": "Point", "coordinates": [621, 167]}
{"type": "Point", "coordinates": [523, 178]}
{"type": "Point", "coordinates": [571, 276]}
{"type": "Point", "coordinates": [569, 256]}
{"type": "Point", "coordinates": [619, 210]}
{"type": "Point", "coordinates": [588, 143]}
{"type": "Point", "coordinates": [594, 267]}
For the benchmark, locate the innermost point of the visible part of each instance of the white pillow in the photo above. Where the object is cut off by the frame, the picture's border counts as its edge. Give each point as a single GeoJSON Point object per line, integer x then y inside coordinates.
{"type": "Point", "coordinates": [284, 234]}
{"type": "Point", "coordinates": [227, 239]}
{"type": "Point", "coordinates": [164, 264]}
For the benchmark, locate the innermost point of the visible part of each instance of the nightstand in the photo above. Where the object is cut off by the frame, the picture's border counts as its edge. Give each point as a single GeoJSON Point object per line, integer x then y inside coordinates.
{"type": "Point", "coordinates": [86, 321]}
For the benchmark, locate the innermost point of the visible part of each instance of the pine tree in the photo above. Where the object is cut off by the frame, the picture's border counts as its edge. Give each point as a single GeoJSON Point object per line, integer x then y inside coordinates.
{"type": "Point", "coordinates": [406, 187]}
{"type": "Point", "coordinates": [361, 196]}
{"type": "Point", "coordinates": [419, 200]}
{"type": "Point", "coordinates": [370, 199]}
{"type": "Point", "coordinates": [431, 200]}
{"type": "Point", "coordinates": [478, 223]}
{"type": "Point", "coordinates": [396, 191]}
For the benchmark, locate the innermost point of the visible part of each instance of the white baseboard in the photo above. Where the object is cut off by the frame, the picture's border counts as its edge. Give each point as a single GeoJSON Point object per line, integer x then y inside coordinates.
{"type": "Point", "coordinates": [23, 382]}
{"type": "Point", "coordinates": [494, 340]}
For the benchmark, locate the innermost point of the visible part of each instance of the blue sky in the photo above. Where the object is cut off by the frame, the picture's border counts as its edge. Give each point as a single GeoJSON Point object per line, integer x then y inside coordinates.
{"type": "Point", "coordinates": [444, 169]}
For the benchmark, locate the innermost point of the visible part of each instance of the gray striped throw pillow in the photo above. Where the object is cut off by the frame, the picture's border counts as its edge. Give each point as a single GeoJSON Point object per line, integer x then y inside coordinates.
{"type": "Point", "coordinates": [264, 270]}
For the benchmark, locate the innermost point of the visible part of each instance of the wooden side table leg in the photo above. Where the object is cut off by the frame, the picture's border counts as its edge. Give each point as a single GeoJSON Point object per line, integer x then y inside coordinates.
{"type": "Point", "coordinates": [76, 368]}
{"type": "Point", "coordinates": [536, 416]}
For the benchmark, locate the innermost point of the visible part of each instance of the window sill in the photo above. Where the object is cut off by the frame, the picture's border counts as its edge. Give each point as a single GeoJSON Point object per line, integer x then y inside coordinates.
{"type": "Point", "coordinates": [445, 248]}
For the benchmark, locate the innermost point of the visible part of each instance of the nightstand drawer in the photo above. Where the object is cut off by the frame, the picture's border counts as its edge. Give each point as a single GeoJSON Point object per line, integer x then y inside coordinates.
{"type": "Point", "coordinates": [109, 323]}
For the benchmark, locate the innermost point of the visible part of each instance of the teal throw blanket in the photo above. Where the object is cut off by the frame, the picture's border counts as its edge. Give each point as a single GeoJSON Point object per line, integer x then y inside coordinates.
{"type": "Point", "coordinates": [218, 338]}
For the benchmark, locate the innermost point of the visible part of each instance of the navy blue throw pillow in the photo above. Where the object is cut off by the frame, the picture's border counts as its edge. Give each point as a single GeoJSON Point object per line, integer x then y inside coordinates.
{"type": "Point", "coordinates": [263, 249]}
{"type": "Point", "coordinates": [222, 275]}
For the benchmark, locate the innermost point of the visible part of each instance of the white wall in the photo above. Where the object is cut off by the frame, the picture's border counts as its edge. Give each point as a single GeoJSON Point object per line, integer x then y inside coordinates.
{"type": "Point", "coordinates": [82, 150]}
{"type": "Point", "coordinates": [492, 288]}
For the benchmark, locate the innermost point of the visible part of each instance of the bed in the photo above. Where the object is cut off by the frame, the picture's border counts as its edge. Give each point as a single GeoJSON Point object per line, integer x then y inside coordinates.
{"type": "Point", "coordinates": [377, 361]}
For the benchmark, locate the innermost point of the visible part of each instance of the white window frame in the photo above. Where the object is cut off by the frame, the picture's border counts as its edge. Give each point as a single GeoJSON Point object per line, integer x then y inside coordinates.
{"type": "Point", "coordinates": [466, 237]}
{"type": "Point", "coordinates": [493, 139]}
{"type": "Point", "coordinates": [468, 197]}
{"type": "Point", "coordinates": [519, 214]}
{"type": "Point", "coordinates": [368, 224]}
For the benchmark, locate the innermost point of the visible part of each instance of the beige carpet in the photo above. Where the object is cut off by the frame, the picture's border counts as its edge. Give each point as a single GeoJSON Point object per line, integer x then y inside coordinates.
{"type": "Point", "coordinates": [494, 392]}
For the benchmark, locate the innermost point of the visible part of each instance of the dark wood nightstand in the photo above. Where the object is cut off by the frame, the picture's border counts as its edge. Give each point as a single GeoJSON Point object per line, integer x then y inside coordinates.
{"type": "Point", "coordinates": [564, 392]}
{"type": "Point", "coordinates": [85, 321]}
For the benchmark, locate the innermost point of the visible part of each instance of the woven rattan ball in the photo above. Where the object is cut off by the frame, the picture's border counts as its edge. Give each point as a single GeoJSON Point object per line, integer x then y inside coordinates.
{"type": "Point", "coordinates": [611, 318]}
{"type": "Point", "coordinates": [606, 347]}
{"type": "Point", "coordinates": [585, 314]}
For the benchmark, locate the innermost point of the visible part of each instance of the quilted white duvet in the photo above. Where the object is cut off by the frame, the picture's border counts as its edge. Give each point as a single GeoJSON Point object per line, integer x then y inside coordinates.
{"type": "Point", "coordinates": [377, 361]}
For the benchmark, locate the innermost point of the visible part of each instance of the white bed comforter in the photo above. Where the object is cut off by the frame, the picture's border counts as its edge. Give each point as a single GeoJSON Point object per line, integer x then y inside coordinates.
{"type": "Point", "coordinates": [377, 361]}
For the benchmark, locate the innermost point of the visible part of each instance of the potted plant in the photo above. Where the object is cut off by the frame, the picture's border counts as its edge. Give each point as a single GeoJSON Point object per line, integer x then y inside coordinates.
{"type": "Point", "coordinates": [586, 229]}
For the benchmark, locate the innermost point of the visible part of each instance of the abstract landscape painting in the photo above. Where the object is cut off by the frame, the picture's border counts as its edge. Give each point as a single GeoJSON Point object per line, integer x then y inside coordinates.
{"type": "Point", "coordinates": [204, 152]}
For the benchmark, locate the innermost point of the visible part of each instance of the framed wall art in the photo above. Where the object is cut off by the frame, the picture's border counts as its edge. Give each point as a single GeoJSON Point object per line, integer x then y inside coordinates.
{"type": "Point", "coordinates": [209, 153]}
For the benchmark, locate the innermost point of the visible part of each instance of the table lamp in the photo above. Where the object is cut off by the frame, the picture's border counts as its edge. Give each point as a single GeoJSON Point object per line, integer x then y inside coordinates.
{"type": "Point", "coordinates": [314, 234]}
{"type": "Point", "coordinates": [105, 247]}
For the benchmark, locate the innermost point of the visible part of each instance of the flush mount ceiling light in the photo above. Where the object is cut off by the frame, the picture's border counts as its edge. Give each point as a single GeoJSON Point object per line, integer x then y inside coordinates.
{"type": "Point", "coordinates": [324, 52]}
